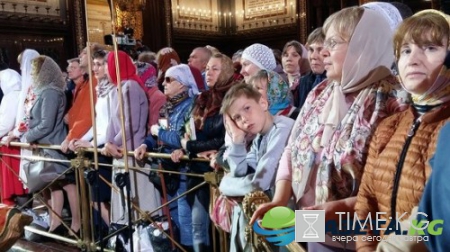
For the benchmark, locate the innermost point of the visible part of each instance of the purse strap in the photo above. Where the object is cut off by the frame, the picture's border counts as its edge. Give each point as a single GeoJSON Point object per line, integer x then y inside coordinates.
{"type": "Point", "coordinates": [166, 209]}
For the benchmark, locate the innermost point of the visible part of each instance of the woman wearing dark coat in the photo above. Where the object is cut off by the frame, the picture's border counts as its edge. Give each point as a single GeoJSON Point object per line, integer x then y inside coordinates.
{"type": "Point", "coordinates": [204, 132]}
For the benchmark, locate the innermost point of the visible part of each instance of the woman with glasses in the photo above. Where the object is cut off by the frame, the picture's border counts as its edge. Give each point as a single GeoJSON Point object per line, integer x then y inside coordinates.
{"type": "Point", "coordinates": [324, 158]}
{"type": "Point", "coordinates": [179, 88]}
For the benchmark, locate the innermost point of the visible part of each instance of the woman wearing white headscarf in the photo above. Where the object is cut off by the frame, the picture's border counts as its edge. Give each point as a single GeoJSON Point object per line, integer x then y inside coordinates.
{"type": "Point", "coordinates": [324, 159]}
{"type": "Point", "coordinates": [389, 12]}
{"type": "Point", "coordinates": [10, 183]}
{"type": "Point", "coordinates": [10, 85]}
{"type": "Point", "coordinates": [26, 99]}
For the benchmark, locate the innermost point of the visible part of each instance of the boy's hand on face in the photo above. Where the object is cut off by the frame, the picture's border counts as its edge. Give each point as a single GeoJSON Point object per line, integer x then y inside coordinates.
{"type": "Point", "coordinates": [237, 135]}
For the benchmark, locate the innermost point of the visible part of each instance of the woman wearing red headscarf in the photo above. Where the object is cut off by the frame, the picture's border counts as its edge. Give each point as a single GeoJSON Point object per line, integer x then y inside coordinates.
{"type": "Point", "coordinates": [135, 109]}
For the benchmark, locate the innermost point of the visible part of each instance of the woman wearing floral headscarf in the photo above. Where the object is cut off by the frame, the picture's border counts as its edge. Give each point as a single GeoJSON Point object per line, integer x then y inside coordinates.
{"type": "Point", "coordinates": [398, 163]}
{"type": "Point", "coordinates": [276, 91]}
{"type": "Point", "coordinates": [135, 109]}
{"type": "Point", "coordinates": [324, 158]}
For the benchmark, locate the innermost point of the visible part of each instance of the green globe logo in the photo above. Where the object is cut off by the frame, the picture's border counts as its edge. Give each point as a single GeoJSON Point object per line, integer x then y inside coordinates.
{"type": "Point", "coordinates": [278, 226]}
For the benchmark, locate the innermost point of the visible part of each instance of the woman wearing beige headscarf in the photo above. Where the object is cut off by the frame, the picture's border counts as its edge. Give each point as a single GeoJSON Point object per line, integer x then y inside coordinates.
{"type": "Point", "coordinates": [325, 156]}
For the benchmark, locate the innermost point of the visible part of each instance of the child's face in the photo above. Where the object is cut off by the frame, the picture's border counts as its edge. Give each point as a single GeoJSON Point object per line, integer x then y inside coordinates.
{"type": "Point", "coordinates": [261, 86]}
{"type": "Point", "coordinates": [248, 114]}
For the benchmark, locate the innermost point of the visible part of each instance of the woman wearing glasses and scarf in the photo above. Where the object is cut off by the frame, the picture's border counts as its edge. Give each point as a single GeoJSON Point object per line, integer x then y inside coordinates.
{"type": "Point", "coordinates": [179, 88]}
{"type": "Point", "coordinates": [325, 156]}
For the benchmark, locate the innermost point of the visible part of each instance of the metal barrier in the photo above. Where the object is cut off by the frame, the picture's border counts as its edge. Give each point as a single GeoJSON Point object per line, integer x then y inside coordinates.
{"type": "Point", "coordinates": [86, 240]}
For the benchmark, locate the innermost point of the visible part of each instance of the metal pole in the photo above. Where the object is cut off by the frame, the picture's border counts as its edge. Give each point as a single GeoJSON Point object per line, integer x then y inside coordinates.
{"type": "Point", "coordinates": [83, 192]}
{"type": "Point", "coordinates": [126, 174]}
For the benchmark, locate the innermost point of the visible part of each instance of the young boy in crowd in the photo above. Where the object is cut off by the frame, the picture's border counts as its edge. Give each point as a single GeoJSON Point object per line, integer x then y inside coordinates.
{"type": "Point", "coordinates": [246, 112]}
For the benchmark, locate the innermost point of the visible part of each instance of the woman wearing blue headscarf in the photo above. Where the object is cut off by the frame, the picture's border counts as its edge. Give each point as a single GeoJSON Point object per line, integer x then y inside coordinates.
{"type": "Point", "coordinates": [275, 90]}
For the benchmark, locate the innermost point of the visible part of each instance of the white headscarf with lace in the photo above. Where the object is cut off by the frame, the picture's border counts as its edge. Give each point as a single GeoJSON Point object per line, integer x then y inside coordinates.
{"type": "Point", "coordinates": [25, 68]}
{"type": "Point", "coordinates": [49, 76]}
{"type": "Point", "coordinates": [389, 11]}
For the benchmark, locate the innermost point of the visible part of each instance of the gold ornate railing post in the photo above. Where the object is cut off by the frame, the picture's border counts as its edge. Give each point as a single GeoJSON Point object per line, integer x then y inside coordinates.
{"type": "Point", "coordinates": [80, 164]}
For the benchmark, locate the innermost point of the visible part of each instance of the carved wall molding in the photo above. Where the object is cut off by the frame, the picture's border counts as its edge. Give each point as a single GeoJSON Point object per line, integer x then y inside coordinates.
{"type": "Point", "coordinates": [168, 21]}
{"type": "Point", "coordinates": [303, 22]}
{"type": "Point", "coordinates": [79, 23]}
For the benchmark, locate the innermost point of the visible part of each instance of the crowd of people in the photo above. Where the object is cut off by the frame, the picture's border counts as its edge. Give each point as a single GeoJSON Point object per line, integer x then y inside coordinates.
{"type": "Point", "coordinates": [354, 120]}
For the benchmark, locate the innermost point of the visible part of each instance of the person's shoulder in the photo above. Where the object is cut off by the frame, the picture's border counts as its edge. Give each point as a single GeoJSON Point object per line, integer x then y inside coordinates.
{"type": "Point", "coordinates": [51, 92]}
{"type": "Point", "coordinates": [307, 75]}
{"type": "Point", "coordinates": [442, 142]}
{"type": "Point", "coordinates": [283, 122]}
{"type": "Point", "coordinates": [12, 72]}
{"type": "Point", "coordinates": [445, 131]}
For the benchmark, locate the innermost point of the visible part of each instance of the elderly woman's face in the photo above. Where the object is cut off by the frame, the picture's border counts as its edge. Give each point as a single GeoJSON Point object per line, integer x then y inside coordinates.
{"type": "Point", "coordinates": [248, 69]}
{"type": "Point", "coordinates": [419, 66]}
{"type": "Point", "coordinates": [334, 53]}
{"type": "Point", "coordinates": [172, 87]}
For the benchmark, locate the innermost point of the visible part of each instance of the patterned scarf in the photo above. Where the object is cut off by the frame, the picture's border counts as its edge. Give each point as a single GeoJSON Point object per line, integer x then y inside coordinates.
{"type": "Point", "coordinates": [209, 102]}
{"type": "Point", "coordinates": [28, 104]}
{"type": "Point", "coordinates": [103, 87]}
{"type": "Point", "coordinates": [168, 107]}
{"type": "Point", "coordinates": [340, 162]}
{"type": "Point", "coordinates": [277, 93]}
